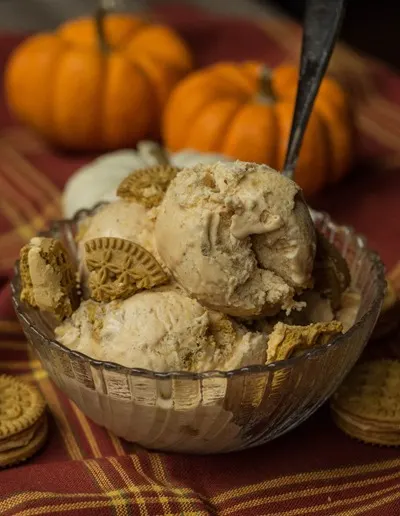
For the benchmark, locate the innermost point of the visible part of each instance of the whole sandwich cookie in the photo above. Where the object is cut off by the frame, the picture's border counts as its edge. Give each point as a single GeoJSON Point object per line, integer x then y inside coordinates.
{"type": "Point", "coordinates": [23, 422]}
{"type": "Point", "coordinates": [367, 404]}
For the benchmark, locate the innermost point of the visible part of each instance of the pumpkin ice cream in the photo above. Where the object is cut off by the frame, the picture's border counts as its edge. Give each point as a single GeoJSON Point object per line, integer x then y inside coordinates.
{"type": "Point", "coordinates": [161, 330]}
{"type": "Point", "coordinates": [120, 219]}
{"type": "Point", "coordinates": [167, 280]}
{"type": "Point", "coordinates": [238, 237]}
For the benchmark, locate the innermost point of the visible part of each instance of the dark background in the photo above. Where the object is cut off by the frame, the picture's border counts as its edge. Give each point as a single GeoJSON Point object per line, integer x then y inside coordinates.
{"type": "Point", "coordinates": [370, 26]}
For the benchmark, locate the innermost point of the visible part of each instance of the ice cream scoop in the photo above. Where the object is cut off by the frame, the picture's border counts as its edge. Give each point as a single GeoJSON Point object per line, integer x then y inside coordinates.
{"type": "Point", "coordinates": [120, 219]}
{"type": "Point", "coordinates": [238, 237]}
{"type": "Point", "coordinates": [161, 330]}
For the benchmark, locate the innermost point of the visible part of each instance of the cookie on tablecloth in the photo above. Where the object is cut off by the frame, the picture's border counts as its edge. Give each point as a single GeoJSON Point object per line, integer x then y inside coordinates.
{"type": "Point", "coordinates": [367, 404]}
{"type": "Point", "coordinates": [23, 421]}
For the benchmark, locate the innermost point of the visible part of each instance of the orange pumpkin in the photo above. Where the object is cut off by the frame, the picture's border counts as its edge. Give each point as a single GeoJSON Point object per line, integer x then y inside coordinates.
{"type": "Point", "coordinates": [96, 83]}
{"type": "Point", "coordinates": [243, 112]}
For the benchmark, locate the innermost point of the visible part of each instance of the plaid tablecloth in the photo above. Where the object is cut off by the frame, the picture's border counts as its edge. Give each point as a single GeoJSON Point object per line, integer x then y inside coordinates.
{"type": "Point", "coordinates": [314, 469]}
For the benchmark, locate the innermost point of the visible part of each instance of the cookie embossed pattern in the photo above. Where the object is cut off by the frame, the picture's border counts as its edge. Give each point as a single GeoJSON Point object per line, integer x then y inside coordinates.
{"type": "Point", "coordinates": [147, 186]}
{"type": "Point", "coordinates": [119, 268]}
{"type": "Point", "coordinates": [23, 421]}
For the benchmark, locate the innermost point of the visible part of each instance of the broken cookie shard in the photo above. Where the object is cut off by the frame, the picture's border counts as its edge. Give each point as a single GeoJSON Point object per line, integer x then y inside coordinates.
{"type": "Point", "coordinates": [147, 186]}
{"type": "Point", "coordinates": [286, 341]}
{"type": "Point", "coordinates": [48, 277]}
{"type": "Point", "coordinates": [118, 268]}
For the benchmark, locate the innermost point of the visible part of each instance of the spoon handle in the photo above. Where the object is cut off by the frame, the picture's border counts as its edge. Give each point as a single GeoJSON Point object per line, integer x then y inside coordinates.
{"type": "Point", "coordinates": [322, 23]}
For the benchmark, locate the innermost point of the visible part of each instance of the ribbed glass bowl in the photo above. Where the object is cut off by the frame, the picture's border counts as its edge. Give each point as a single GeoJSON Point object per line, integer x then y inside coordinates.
{"type": "Point", "coordinates": [213, 411]}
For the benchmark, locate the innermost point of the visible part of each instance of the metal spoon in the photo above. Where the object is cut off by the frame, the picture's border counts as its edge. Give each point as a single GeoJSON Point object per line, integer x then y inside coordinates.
{"type": "Point", "coordinates": [322, 23]}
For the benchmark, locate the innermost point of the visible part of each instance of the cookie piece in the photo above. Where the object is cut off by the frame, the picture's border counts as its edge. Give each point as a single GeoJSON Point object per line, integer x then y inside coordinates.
{"type": "Point", "coordinates": [19, 454]}
{"type": "Point", "coordinates": [331, 273]}
{"type": "Point", "coordinates": [147, 186]}
{"type": "Point", "coordinates": [21, 406]}
{"type": "Point", "coordinates": [26, 280]}
{"type": "Point", "coordinates": [390, 312]}
{"type": "Point", "coordinates": [48, 277]}
{"type": "Point", "coordinates": [118, 268]}
{"type": "Point", "coordinates": [286, 341]}
{"type": "Point", "coordinates": [367, 404]}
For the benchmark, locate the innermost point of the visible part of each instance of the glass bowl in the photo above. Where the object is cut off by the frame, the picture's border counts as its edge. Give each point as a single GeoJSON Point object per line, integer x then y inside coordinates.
{"type": "Point", "coordinates": [214, 411]}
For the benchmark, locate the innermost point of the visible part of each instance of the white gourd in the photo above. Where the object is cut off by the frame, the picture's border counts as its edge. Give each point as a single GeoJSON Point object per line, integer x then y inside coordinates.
{"type": "Point", "coordinates": [98, 180]}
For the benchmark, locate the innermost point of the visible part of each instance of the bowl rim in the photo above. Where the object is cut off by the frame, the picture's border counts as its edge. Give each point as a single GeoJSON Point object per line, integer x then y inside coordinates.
{"type": "Point", "coordinates": [374, 308]}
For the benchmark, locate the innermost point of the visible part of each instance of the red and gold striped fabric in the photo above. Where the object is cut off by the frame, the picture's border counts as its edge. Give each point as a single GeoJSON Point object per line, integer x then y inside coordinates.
{"type": "Point", "coordinates": [84, 470]}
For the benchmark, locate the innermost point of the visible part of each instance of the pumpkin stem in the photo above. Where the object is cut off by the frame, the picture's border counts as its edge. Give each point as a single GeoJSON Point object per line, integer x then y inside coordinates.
{"type": "Point", "coordinates": [100, 15]}
{"type": "Point", "coordinates": [265, 93]}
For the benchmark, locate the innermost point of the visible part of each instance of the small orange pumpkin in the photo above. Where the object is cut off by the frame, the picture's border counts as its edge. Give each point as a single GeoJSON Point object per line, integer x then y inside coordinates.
{"type": "Point", "coordinates": [96, 83]}
{"type": "Point", "coordinates": [244, 112]}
